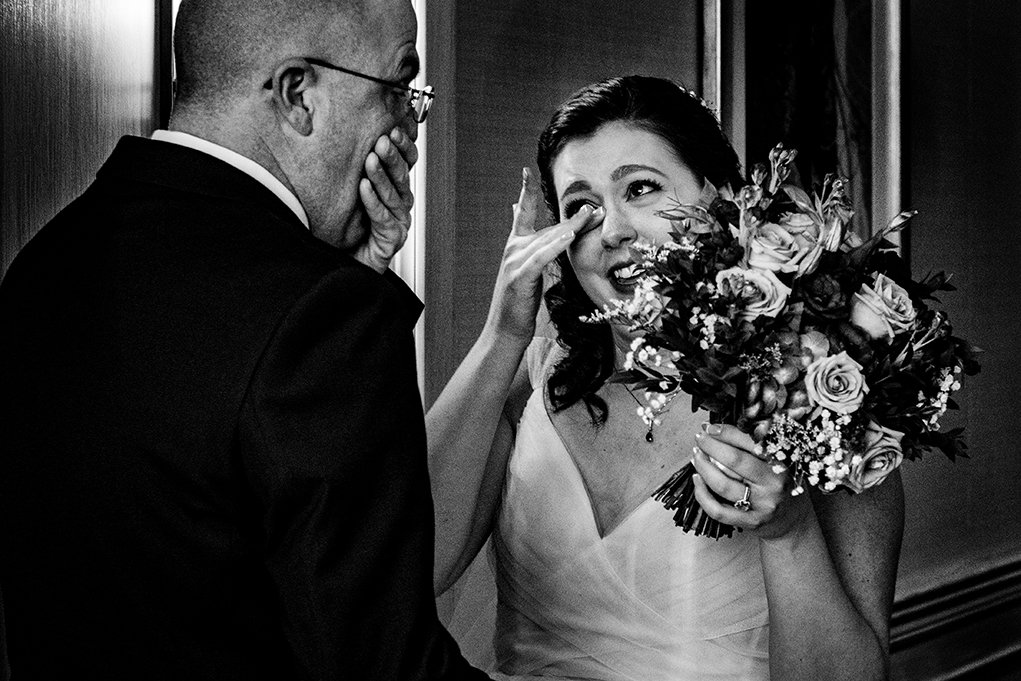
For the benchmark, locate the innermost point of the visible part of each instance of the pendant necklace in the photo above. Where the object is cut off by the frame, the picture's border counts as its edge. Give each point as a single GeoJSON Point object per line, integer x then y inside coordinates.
{"type": "Point", "coordinates": [649, 413]}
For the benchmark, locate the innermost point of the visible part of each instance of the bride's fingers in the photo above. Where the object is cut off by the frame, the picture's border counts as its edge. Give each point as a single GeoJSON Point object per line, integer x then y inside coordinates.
{"type": "Point", "coordinates": [550, 242]}
{"type": "Point", "coordinates": [542, 253]}
{"type": "Point", "coordinates": [532, 253]}
{"type": "Point", "coordinates": [714, 509]}
{"type": "Point", "coordinates": [732, 435]}
{"type": "Point", "coordinates": [718, 480]}
{"type": "Point", "coordinates": [526, 210]}
{"type": "Point", "coordinates": [585, 220]}
{"type": "Point", "coordinates": [734, 450]}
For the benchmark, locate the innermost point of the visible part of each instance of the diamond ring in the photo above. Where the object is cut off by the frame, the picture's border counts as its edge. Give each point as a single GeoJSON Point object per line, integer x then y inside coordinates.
{"type": "Point", "coordinates": [743, 504]}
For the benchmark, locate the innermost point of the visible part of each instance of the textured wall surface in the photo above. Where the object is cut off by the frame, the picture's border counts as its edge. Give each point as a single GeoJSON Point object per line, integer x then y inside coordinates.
{"type": "Point", "coordinates": [75, 76]}
{"type": "Point", "coordinates": [962, 543]}
{"type": "Point", "coordinates": [964, 130]}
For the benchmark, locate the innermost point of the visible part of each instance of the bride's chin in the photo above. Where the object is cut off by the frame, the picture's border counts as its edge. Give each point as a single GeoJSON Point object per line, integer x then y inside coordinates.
{"type": "Point", "coordinates": [624, 291]}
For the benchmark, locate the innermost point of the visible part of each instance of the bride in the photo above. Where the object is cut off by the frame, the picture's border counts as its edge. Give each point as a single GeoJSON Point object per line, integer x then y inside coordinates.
{"type": "Point", "coordinates": [531, 447]}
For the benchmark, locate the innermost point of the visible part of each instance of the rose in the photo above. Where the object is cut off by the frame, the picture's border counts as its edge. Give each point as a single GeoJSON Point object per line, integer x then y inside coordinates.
{"type": "Point", "coordinates": [883, 309]}
{"type": "Point", "coordinates": [773, 248]}
{"type": "Point", "coordinates": [882, 455]}
{"type": "Point", "coordinates": [823, 296]}
{"type": "Point", "coordinates": [836, 383]}
{"type": "Point", "coordinates": [763, 294]}
{"type": "Point", "coordinates": [800, 223]}
{"type": "Point", "coordinates": [805, 230]}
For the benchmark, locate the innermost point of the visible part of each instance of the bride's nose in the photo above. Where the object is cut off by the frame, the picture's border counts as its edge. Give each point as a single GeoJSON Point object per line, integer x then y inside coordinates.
{"type": "Point", "coordinates": [617, 229]}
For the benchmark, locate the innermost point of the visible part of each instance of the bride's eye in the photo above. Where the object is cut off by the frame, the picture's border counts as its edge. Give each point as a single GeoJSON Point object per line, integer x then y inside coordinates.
{"type": "Point", "coordinates": [641, 188]}
{"type": "Point", "coordinates": [574, 206]}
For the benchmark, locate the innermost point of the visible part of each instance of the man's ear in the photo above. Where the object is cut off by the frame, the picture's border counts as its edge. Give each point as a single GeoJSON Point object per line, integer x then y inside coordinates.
{"type": "Point", "coordinates": [290, 88]}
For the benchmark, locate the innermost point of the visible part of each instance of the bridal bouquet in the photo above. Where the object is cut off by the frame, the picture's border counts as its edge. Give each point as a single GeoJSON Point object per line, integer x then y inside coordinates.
{"type": "Point", "coordinates": [777, 319]}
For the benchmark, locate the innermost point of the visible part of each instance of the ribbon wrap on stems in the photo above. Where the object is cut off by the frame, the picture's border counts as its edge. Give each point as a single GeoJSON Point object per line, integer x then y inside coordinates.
{"type": "Point", "coordinates": [678, 494]}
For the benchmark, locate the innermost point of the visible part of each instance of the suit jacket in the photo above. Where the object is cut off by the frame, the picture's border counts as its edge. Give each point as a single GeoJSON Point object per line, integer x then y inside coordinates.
{"type": "Point", "coordinates": [214, 457]}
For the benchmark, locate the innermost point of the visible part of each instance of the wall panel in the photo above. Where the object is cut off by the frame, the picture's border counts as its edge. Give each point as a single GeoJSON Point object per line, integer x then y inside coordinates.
{"type": "Point", "coordinates": [962, 543]}
{"type": "Point", "coordinates": [965, 174]}
{"type": "Point", "coordinates": [75, 76]}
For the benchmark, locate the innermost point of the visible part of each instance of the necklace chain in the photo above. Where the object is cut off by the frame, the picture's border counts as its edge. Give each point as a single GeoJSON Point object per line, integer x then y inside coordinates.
{"type": "Point", "coordinates": [651, 414]}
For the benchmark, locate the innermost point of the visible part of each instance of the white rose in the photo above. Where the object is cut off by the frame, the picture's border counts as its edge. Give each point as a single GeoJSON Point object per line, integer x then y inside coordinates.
{"type": "Point", "coordinates": [883, 309]}
{"type": "Point", "coordinates": [811, 255]}
{"type": "Point", "coordinates": [800, 223]}
{"type": "Point", "coordinates": [806, 230]}
{"type": "Point", "coordinates": [836, 383]}
{"type": "Point", "coordinates": [763, 293]}
{"type": "Point", "coordinates": [883, 454]}
{"type": "Point", "coordinates": [772, 248]}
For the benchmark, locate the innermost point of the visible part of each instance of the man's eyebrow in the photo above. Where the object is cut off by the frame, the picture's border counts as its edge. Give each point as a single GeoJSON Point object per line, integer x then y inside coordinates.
{"type": "Point", "coordinates": [632, 168]}
{"type": "Point", "coordinates": [576, 186]}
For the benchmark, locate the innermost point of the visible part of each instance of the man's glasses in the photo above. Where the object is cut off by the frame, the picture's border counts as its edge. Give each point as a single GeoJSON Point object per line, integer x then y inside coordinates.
{"type": "Point", "coordinates": [419, 101]}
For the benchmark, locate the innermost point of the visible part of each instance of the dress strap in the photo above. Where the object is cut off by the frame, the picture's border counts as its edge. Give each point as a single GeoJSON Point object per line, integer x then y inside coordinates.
{"type": "Point", "coordinates": [539, 358]}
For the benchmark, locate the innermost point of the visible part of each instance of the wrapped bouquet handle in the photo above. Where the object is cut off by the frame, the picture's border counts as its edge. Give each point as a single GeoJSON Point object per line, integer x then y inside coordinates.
{"type": "Point", "coordinates": [678, 494]}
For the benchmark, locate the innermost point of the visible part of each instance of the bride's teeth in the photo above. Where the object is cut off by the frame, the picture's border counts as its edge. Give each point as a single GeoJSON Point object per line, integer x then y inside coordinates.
{"type": "Point", "coordinates": [627, 272]}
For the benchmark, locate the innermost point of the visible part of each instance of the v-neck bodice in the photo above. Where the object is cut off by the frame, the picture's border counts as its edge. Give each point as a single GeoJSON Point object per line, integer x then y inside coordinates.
{"type": "Point", "coordinates": [647, 601]}
{"type": "Point", "coordinates": [572, 472]}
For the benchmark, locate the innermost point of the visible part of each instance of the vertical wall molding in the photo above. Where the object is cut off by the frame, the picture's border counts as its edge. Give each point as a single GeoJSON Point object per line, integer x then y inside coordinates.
{"type": "Point", "coordinates": [440, 27]}
{"type": "Point", "coordinates": [887, 179]}
{"type": "Point", "coordinates": [409, 263]}
{"type": "Point", "coordinates": [163, 64]}
{"type": "Point", "coordinates": [712, 52]}
{"type": "Point", "coordinates": [723, 68]}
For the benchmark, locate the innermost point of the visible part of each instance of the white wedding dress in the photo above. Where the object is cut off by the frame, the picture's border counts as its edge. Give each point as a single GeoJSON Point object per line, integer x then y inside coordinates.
{"type": "Point", "coordinates": [647, 602]}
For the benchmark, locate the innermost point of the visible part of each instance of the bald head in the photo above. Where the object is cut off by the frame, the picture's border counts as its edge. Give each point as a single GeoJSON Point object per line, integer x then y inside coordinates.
{"type": "Point", "coordinates": [224, 48]}
{"type": "Point", "coordinates": [252, 78]}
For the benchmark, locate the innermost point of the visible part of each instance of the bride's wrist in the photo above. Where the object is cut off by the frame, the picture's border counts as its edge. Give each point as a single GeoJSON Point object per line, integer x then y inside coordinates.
{"type": "Point", "coordinates": [797, 526]}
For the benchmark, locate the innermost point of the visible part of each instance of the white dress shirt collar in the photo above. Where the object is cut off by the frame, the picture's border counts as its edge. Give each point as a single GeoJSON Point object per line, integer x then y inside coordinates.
{"type": "Point", "coordinates": [242, 163]}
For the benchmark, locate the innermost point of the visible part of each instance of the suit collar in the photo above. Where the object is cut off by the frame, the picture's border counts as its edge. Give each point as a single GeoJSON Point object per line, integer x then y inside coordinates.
{"type": "Point", "coordinates": [137, 159]}
{"type": "Point", "coordinates": [242, 163]}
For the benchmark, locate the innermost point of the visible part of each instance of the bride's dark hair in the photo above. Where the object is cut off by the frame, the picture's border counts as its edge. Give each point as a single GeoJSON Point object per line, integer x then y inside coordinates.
{"type": "Point", "coordinates": [683, 121]}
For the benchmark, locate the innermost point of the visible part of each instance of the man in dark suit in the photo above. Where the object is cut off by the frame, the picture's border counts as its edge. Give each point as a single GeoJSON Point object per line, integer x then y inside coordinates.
{"type": "Point", "coordinates": [214, 458]}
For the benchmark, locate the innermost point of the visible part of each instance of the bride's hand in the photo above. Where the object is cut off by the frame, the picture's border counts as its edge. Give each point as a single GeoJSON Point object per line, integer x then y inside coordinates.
{"type": "Point", "coordinates": [528, 251]}
{"type": "Point", "coordinates": [771, 512]}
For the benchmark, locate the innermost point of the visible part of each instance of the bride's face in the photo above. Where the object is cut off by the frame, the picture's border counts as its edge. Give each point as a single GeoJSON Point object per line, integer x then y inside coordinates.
{"type": "Point", "coordinates": [633, 174]}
